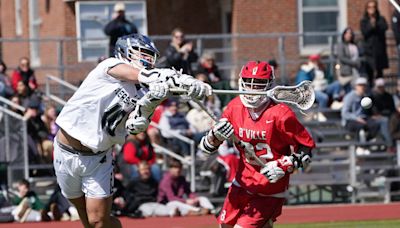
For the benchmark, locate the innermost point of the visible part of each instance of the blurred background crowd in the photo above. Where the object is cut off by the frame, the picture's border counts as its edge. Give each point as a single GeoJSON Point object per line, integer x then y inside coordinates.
{"type": "Point", "coordinates": [154, 169]}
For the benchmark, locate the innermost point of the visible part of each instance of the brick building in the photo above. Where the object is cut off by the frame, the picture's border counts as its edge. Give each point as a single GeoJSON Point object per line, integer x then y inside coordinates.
{"type": "Point", "coordinates": [296, 16]}
{"type": "Point", "coordinates": [49, 20]}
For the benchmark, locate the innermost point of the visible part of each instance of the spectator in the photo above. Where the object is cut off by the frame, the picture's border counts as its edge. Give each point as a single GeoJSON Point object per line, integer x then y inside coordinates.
{"type": "Point", "coordinates": [396, 96]}
{"type": "Point", "coordinates": [383, 101]}
{"type": "Point", "coordinates": [174, 187]}
{"type": "Point", "coordinates": [25, 74]}
{"type": "Point", "coordinates": [24, 94]}
{"type": "Point", "coordinates": [37, 131]}
{"type": "Point", "coordinates": [153, 132]}
{"type": "Point", "coordinates": [142, 195]}
{"type": "Point", "coordinates": [394, 124]}
{"type": "Point", "coordinates": [29, 205]}
{"type": "Point", "coordinates": [172, 121]}
{"type": "Point", "coordinates": [58, 205]}
{"type": "Point", "coordinates": [208, 67]}
{"type": "Point", "coordinates": [5, 84]}
{"type": "Point", "coordinates": [180, 53]}
{"type": "Point", "coordinates": [49, 119]}
{"type": "Point", "coordinates": [347, 67]}
{"type": "Point", "coordinates": [137, 148]}
{"type": "Point", "coordinates": [354, 117]}
{"type": "Point", "coordinates": [118, 26]}
{"type": "Point", "coordinates": [312, 71]}
{"type": "Point", "coordinates": [396, 33]}
{"type": "Point", "coordinates": [373, 28]}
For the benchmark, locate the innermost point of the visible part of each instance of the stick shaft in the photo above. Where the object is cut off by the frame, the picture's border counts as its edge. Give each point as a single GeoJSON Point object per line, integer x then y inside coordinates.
{"type": "Point", "coordinates": [220, 91]}
{"type": "Point", "coordinates": [394, 3]}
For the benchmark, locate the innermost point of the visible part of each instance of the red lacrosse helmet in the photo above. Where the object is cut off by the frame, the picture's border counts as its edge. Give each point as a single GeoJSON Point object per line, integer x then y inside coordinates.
{"type": "Point", "coordinates": [255, 76]}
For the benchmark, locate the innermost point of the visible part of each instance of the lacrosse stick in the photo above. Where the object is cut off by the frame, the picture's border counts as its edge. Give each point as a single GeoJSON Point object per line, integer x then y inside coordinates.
{"type": "Point", "coordinates": [302, 95]}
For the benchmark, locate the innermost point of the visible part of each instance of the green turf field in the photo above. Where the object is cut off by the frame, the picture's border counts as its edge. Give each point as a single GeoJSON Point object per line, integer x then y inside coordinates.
{"type": "Point", "coordinates": [353, 224]}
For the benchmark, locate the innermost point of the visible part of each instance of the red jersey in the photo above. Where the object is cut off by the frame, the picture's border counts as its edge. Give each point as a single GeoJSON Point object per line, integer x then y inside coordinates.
{"type": "Point", "coordinates": [272, 135]}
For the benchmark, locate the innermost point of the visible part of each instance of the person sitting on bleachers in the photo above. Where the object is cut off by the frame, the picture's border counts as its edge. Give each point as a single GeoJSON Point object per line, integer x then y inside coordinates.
{"type": "Point", "coordinates": [29, 205]}
{"type": "Point", "coordinates": [24, 73]}
{"type": "Point", "coordinates": [37, 131]}
{"type": "Point", "coordinates": [137, 148]}
{"type": "Point", "coordinates": [383, 101]}
{"type": "Point", "coordinates": [175, 190]}
{"type": "Point", "coordinates": [142, 195]}
{"type": "Point", "coordinates": [58, 205]}
{"type": "Point", "coordinates": [356, 119]}
{"type": "Point", "coordinates": [5, 85]}
{"type": "Point", "coordinates": [208, 67]}
{"type": "Point", "coordinates": [25, 94]}
{"type": "Point", "coordinates": [312, 71]}
{"type": "Point", "coordinates": [174, 121]}
{"type": "Point", "coordinates": [394, 126]}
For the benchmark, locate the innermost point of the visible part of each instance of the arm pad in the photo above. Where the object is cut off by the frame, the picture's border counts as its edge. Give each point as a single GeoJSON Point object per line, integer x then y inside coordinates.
{"type": "Point", "coordinates": [206, 146]}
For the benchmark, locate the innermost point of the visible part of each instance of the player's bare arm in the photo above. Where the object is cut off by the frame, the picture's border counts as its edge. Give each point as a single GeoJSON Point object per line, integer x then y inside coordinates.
{"type": "Point", "coordinates": [124, 72]}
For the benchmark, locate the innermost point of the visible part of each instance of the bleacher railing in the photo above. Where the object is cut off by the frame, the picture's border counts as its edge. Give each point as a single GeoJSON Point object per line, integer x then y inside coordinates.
{"type": "Point", "coordinates": [12, 160]}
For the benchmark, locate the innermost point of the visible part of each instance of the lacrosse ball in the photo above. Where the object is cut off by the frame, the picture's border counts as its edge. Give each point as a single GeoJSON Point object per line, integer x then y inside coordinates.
{"type": "Point", "coordinates": [366, 103]}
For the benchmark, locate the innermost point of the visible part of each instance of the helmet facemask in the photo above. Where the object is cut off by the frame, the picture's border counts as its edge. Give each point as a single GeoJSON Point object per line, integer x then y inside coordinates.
{"type": "Point", "coordinates": [137, 55]}
{"type": "Point", "coordinates": [253, 84]}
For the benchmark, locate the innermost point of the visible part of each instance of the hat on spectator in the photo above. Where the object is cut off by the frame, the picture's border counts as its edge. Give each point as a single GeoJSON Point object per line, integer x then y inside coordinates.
{"type": "Point", "coordinates": [314, 57]}
{"type": "Point", "coordinates": [34, 103]}
{"type": "Point", "coordinates": [379, 82]}
{"type": "Point", "coordinates": [361, 81]}
{"type": "Point", "coordinates": [119, 7]}
{"type": "Point", "coordinates": [273, 63]}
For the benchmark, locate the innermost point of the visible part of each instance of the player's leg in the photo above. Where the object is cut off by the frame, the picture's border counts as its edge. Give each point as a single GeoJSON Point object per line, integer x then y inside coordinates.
{"type": "Point", "coordinates": [97, 184]}
{"type": "Point", "coordinates": [68, 177]}
{"type": "Point", "coordinates": [98, 211]}
{"type": "Point", "coordinates": [235, 201]}
{"type": "Point", "coordinates": [261, 212]}
{"type": "Point", "coordinates": [80, 205]}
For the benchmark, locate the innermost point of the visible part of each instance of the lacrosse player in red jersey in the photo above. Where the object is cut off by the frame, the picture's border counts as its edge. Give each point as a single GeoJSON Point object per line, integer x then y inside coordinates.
{"type": "Point", "coordinates": [265, 133]}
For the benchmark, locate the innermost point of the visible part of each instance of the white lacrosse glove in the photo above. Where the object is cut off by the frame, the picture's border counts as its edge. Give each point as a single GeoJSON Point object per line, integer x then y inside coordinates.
{"type": "Point", "coordinates": [158, 90]}
{"type": "Point", "coordinates": [139, 119]}
{"type": "Point", "coordinates": [196, 88]}
{"type": "Point", "coordinates": [163, 75]}
{"type": "Point", "coordinates": [223, 130]}
{"type": "Point", "coordinates": [272, 171]}
{"type": "Point", "coordinates": [136, 125]}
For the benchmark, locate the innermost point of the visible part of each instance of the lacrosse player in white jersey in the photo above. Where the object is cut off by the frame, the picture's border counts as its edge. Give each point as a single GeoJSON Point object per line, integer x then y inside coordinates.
{"type": "Point", "coordinates": [117, 97]}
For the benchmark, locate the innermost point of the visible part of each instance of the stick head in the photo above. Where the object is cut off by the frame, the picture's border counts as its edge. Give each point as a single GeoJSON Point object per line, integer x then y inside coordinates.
{"type": "Point", "coordinates": [302, 95]}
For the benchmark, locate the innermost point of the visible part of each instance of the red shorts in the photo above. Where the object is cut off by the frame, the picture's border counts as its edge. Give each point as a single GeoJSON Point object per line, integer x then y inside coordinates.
{"type": "Point", "coordinates": [249, 210]}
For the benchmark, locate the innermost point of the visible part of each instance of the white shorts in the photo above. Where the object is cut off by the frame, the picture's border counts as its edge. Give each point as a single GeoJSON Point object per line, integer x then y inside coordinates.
{"type": "Point", "coordinates": [78, 175]}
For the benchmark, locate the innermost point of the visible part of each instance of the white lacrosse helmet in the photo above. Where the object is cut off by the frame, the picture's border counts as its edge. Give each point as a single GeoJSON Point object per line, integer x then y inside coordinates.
{"type": "Point", "coordinates": [137, 50]}
{"type": "Point", "coordinates": [255, 76]}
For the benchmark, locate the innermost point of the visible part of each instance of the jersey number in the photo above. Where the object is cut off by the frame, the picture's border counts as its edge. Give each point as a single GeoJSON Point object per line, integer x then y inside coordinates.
{"type": "Point", "coordinates": [112, 117]}
{"type": "Point", "coordinates": [251, 156]}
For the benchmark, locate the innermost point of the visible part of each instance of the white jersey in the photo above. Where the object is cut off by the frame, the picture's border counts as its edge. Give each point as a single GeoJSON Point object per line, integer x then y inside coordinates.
{"type": "Point", "coordinates": [84, 114]}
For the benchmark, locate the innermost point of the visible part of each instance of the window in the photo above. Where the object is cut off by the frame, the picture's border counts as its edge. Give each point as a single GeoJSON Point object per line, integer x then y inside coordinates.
{"type": "Point", "coordinates": [315, 16]}
{"type": "Point", "coordinates": [91, 18]}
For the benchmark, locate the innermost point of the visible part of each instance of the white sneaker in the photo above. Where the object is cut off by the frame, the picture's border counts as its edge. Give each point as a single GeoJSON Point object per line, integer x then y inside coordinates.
{"type": "Point", "coordinates": [359, 151]}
